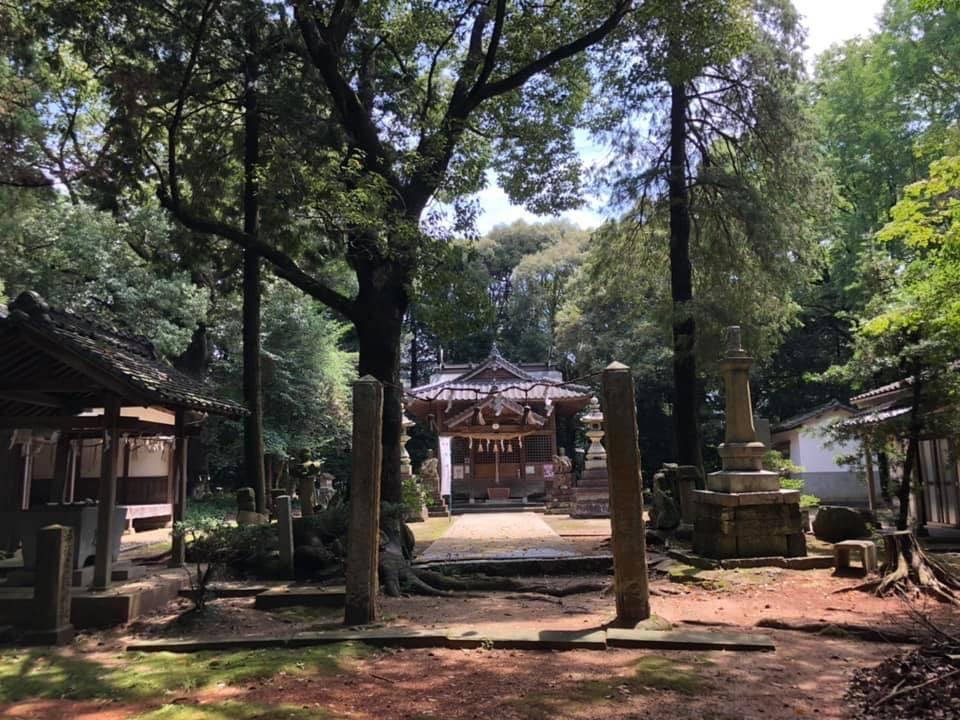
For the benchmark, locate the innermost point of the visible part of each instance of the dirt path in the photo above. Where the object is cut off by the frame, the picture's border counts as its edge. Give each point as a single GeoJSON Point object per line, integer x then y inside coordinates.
{"type": "Point", "coordinates": [499, 535]}
{"type": "Point", "coordinates": [806, 676]}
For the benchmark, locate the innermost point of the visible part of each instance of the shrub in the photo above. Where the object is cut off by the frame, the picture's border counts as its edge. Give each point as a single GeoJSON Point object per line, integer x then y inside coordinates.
{"type": "Point", "coordinates": [413, 494]}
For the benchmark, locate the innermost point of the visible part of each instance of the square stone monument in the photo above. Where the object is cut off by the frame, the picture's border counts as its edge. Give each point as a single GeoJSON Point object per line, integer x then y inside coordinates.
{"type": "Point", "coordinates": [743, 512]}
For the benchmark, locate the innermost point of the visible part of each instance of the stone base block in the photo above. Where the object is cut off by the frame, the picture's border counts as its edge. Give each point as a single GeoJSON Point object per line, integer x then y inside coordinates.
{"type": "Point", "coordinates": [590, 502]}
{"type": "Point", "coordinates": [735, 481]}
{"type": "Point", "coordinates": [743, 525]}
{"type": "Point", "coordinates": [127, 572]}
{"type": "Point", "coordinates": [53, 636]}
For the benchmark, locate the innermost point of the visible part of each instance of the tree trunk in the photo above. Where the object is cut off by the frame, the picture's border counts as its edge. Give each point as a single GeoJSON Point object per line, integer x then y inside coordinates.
{"type": "Point", "coordinates": [686, 402]}
{"type": "Point", "coordinates": [379, 330]}
{"type": "Point", "coordinates": [252, 386]}
{"type": "Point", "coordinates": [195, 361]}
{"type": "Point", "coordinates": [912, 460]}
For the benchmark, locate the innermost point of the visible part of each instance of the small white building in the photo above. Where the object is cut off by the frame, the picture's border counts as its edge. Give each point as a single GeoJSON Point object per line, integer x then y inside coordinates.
{"type": "Point", "coordinates": [805, 441]}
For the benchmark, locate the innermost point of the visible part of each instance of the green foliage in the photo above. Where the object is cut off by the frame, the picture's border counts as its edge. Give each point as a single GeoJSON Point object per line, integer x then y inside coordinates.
{"type": "Point", "coordinates": [93, 262]}
{"type": "Point", "coordinates": [414, 495]}
{"type": "Point", "coordinates": [774, 461]}
{"type": "Point", "coordinates": [306, 381]}
{"type": "Point", "coordinates": [214, 544]}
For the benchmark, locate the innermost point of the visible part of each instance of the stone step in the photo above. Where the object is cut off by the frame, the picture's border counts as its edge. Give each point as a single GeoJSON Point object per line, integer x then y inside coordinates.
{"type": "Point", "coordinates": [301, 595]}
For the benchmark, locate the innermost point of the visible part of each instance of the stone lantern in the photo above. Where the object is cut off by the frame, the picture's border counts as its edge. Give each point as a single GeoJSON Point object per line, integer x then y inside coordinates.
{"type": "Point", "coordinates": [592, 494]}
{"type": "Point", "coordinates": [406, 468]}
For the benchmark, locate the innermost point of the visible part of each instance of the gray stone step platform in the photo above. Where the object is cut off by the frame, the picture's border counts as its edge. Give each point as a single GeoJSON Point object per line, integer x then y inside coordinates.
{"type": "Point", "coordinates": [539, 640]}
{"type": "Point", "coordinates": [301, 595]}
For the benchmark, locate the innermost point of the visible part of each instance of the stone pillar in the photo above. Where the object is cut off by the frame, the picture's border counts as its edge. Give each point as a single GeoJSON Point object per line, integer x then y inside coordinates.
{"type": "Point", "coordinates": [626, 497]}
{"type": "Point", "coordinates": [406, 468]}
{"type": "Point", "coordinates": [363, 534]}
{"type": "Point", "coordinates": [592, 494]}
{"type": "Point", "coordinates": [743, 512]}
{"type": "Point", "coordinates": [284, 509]}
{"type": "Point", "coordinates": [51, 591]}
{"type": "Point", "coordinates": [107, 496]}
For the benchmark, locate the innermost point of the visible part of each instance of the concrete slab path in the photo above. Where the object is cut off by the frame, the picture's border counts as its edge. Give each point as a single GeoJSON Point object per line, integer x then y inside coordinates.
{"type": "Point", "coordinates": [486, 536]}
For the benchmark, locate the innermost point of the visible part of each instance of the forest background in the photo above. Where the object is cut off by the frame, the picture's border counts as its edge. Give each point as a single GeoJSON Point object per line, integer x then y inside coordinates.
{"type": "Point", "coordinates": [821, 208]}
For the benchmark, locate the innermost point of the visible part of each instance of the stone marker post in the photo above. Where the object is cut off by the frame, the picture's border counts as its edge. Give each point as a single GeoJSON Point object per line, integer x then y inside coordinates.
{"type": "Point", "coordinates": [51, 590]}
{"type": "Point", "coordinates": [284, 509]}
{"type": "Point", "coordinates": [363, 535]}
{"type": "Point", "coordinates": [626, 497]}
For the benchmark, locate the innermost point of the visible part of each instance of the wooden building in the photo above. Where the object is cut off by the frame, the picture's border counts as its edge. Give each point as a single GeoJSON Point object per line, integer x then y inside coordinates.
{"type": "Point", "coordinates": [497, 423]}
{"type": "Point", "coordinates": [71, 386]}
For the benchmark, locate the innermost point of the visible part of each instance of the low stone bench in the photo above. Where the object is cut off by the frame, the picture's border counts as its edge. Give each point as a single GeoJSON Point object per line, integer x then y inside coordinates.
{"type": "Point", "coordinates": [866, 549]}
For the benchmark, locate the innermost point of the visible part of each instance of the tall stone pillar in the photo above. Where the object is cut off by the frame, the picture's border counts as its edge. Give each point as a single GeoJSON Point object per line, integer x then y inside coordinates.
{"type": "Point", "coordinates": [51, 593]}
{"type": "Point", "coordinates": [592, 494]}
{"type": "Point", "coordinates": [743, 512]}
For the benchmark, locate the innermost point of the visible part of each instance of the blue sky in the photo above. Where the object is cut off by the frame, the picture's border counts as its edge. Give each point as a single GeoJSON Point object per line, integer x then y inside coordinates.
{"type": "Point", "coordinates": [827, 21]}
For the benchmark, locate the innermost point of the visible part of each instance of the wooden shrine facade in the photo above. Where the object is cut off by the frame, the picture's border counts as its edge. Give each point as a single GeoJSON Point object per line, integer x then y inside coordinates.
{"type": "Point", "coordinates": [499, 421]}
{"type": "Point", "coordinates": [82, 404]}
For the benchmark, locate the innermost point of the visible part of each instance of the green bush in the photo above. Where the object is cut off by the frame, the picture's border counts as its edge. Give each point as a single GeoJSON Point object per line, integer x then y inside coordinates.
{"type": "Point", "coordinates": [213, 544]}
{"type": "Point", "coordinates": [413, 494]}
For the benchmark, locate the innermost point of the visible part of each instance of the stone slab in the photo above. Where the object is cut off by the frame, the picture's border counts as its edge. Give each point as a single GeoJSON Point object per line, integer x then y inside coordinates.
{"type": "Point", "coordinates": [301, 595]}
{"type": "Point", "coordinates": [184, 646]}
{"type": "Point", "coordinates": [529, 640]}
{"type": "Point", "coordinates": [378, 637]}
{"type": "Point", "coordinates": [516, 567]}
{"type": "Point", "coordinates": [810, 562]}
{"type": "Point", "coordinates": [725, 499]}
{"type": "Point", "coordinates": [125, 573]}
{"type": "Point", "coordinates": [733, 481]}
{"type": "Point", "coordinates": [680, 640]}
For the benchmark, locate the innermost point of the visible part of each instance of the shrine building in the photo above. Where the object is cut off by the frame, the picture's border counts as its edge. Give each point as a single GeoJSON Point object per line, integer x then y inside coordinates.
{"type": "Point", "coordinates": [497, 426]}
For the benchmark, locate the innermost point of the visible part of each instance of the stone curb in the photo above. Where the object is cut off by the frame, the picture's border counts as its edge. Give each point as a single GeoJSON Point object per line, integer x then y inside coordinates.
{"type": "Point", "coordinates": [540, 640]}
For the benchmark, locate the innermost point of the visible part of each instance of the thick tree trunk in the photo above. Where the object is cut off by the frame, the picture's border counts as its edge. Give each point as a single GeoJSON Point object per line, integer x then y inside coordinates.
{"type": "Point", "coordinates": [252, 386]}
{"type": "Point", "coordinates": [195, 361]}
{"type": "Point", "coordinates": [379, 330]}
{"type": "Point", "coordinates": [686, 404]}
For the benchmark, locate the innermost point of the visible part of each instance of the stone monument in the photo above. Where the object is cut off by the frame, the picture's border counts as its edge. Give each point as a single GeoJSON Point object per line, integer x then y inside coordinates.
{"type": "Point", "coordinates": [743, 512]}
{"type": "Point", "coordinates": [247, 508]}
{"type": "Point", "coordinates": [592, 494]}
{"type": "Point", "coordinates": [51, 593]}
{"type": "Point", "coordinates": [430, 475]}
{"type": "Point", "coordinates": [559, 488]}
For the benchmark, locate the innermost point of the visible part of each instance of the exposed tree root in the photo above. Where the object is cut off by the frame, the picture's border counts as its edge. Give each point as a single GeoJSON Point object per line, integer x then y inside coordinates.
{"type": "Point", "coordinates": [908, 569]}
{"type": "Point", "coordinates": [399, 576]}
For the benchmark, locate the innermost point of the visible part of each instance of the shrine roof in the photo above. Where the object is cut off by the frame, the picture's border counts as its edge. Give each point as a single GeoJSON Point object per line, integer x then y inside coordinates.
{"type": "Point", "coordinates": [54, 361]}
{"type": "Point", "coordinates": [497, 375]}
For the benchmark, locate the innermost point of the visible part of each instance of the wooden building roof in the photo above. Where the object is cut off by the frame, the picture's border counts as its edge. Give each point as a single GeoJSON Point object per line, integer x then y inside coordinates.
{"type": "Point", "coordinates": [57, 363]}
{"type": "Point", "coordinates": [460, 386]}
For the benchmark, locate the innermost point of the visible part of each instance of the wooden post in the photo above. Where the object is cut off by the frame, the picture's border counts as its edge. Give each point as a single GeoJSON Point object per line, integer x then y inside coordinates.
{"type": "Point", "coordinates": [626, 497]}
{"type": "Point", "coordinates": [363, 537]}
{"type": "Point", "coordinates": [107, 495]}
{"type": "Point", "coordinates": [51, 591]}
{"type": "Point", "coordinates": [178, 551]}
{"type": "Point", "coordinates": [871, 491]}
{"type": "Point", "coordinates": [284, 510]}
{"type": "Point", "coordinates": [76, 462]}
{"type": "Point", "coordinates": [61, 466]}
